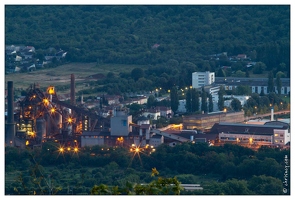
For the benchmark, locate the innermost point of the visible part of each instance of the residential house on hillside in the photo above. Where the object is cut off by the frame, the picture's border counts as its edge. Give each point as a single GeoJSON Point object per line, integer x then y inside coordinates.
{"type": "Point", "coordinates": [164, 111]}
{"type": "Point", "coordinates": [53, 53]}
{"type": "Point", "coordinates": [137, 100]}
{"type": "Point", "coordinates": [152, 114]}
{"type": "Point", "coordinates": [111, 99]}
{"type": "Point", "coordinates": [241, 56]}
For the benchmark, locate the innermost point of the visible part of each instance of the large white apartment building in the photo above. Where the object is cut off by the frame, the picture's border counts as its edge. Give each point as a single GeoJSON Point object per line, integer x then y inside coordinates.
{"type": "Point", "coordinates": [200, 79]}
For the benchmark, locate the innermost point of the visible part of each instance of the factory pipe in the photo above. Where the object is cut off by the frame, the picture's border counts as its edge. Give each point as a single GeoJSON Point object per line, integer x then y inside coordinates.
{"type": "Point", "coordinates": [73, 100]}
{"type": "Point", "coordinates": [10, 125]}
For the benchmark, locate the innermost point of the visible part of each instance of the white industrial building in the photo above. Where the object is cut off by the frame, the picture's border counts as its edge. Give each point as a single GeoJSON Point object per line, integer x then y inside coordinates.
{"type": "Point", "coordinates": [267, 134]}
{"type": "Point", "coordinates": [120, 123]}
{"type": "Point", "coordinates": [200, 79]}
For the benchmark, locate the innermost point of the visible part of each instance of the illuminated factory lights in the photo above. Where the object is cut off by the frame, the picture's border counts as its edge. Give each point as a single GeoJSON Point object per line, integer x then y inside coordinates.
{"type": "Point", "coordinates": [76, 149]}
{"type": "Point", "coordinates": [61, 149]}
{"type": "Point", "coordinates": [52, 110]}
{"type": "Point", "coordinates": [70, 120]}
{"type": "Point", "coordinates": [30, 133]}
{"type": "Point", "coordinates": [50, 90]}
{"type": "Point", "coordinates": [136, 150]}
{"type": "Point", "coordinates": [46, 102]}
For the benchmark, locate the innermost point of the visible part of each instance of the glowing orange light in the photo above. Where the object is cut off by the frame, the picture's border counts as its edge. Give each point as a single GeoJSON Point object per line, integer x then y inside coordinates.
{"type": "Point", "coordinates": [76, 149]}
{"type": "Point", "coordinates": [27, 143]}
{"type": "Point", "coordinates": [137, 150]}
{"type": "Point", "coordinates": [31, 134]}
{"type": "Point", "coordinates": [46, 101]}
{"type": "Point", "coordinates": [50, 90]}
{"type": "Point", "coordinates": [70, 120]}
{"type": "Point", "coordinates": [34, 96]}
{"type": "Point", "coordinates": [61, 149]}
{"type": "Point", "coordinates": [69, 149]}
{"type": "Point", "coordinates": [52, 110]}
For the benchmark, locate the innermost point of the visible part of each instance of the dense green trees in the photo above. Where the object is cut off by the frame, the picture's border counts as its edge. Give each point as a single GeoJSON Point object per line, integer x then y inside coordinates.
{"type": "Point", "coordinates": [238, 169]}
{"type": "Point", "coordinates": [270, 83]}
{"type": "Point", "coordinates": [279, 83]}
{"type": "Point", "coordinates": [259, 68]}
{"type": "Point", "coordinates": [174, 99]}
{"type": "Point", "coordinates": [188, 101]}
{"type": "Point", "coordinates": [128, 34]}
{"type": "Point", "coordinates": [220, 102]}
{"type": "Point", "coordinates": [195, 100]}
{"type": "Point", "coordinates": [210, 103]}
{"type": "Point", "coordinates": [204, 106]}
{"type": "Point", "coordinates": [236, 104]}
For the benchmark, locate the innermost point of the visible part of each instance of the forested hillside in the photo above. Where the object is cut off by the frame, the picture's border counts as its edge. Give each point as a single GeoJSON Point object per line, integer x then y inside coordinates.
{"type": "Point", "coordinates": [153, 34]}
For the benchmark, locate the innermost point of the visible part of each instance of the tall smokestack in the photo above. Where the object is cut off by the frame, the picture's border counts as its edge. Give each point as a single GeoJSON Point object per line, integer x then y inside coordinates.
{"type": "Point", "coordinates": [73, 100]}
{"type": "Point", "coordinates": [10, 126]}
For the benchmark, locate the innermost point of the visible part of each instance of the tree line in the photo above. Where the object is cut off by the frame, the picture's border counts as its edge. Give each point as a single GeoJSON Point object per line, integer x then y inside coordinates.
{"type": "Point", "coordinates": [225, 168]}
{"type": "Point", "coordinates": [141, 35]}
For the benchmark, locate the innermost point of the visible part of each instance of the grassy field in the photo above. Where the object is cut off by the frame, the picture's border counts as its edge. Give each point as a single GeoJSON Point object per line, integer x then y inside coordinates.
{"type": "Point", "coordinates": [61, 75]}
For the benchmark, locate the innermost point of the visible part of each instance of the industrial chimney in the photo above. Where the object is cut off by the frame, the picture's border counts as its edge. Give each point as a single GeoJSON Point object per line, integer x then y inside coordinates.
{"type": "Point", "coordinates": [10, 125]}
{"type": "Point", "coordinates": [73, 99]}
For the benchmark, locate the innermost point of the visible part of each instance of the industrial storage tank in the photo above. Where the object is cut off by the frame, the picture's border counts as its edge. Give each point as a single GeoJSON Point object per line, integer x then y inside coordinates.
{"type": "Point", "coordinates": [41, 128]}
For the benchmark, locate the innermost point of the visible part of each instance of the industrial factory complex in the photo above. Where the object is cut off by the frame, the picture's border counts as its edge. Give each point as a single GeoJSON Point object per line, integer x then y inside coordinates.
{"type": "Point", "coordinates": [40, 117]}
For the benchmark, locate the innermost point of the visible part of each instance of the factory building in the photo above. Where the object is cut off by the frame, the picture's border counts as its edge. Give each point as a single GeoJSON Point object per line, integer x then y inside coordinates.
{"type": "Point", "coordinates": [256, 85]}
{"type": "Point", "coordinates": [120, 123]}
{"type": "Point", "coordinates": [252, 134]}
{"type": "Point", "coordinates": [204, 122]}
{"type": "Point", "coordinates": [41, 116]}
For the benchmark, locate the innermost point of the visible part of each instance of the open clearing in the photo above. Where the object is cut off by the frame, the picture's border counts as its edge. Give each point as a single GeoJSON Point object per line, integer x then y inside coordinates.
{"type": "Point", "coordinates": [61, 75]}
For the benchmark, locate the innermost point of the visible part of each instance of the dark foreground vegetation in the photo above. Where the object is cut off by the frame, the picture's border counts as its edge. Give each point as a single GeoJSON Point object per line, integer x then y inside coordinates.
{"type": "Point", "coordinates": [229, 170]}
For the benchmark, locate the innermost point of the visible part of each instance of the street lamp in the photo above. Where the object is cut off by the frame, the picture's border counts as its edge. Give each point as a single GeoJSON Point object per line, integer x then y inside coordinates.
{"type": "Point", "coordinates": [250, 140]}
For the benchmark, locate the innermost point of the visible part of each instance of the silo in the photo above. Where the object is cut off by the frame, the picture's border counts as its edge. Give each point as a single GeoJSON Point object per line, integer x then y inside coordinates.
{"type": "Point", "coordinates": [41, 128]}
{"type": "Point", "coordinates": [58, 120]}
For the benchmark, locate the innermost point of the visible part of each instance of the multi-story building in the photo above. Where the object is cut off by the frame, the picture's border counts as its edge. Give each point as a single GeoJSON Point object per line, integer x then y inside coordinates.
{"type": "Point", "coordinates": [204, 122]}
{"type": "Point", "coordinates": [256, 85]}
{"type": "Point", "coordinates": [200, 79]}
{"type": "Point", "coordinates": [120, 123]}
